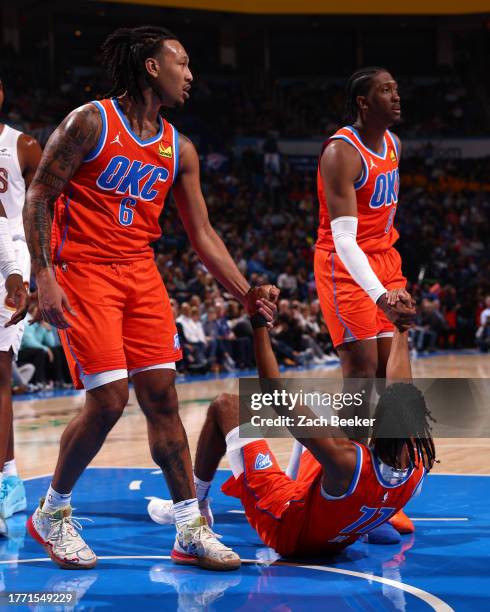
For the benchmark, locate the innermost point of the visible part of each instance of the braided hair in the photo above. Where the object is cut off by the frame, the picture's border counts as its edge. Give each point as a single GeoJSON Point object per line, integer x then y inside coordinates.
{"type": "Point", "coordinates": [358, 84]}
{"type": "Point", "coordinates": [403, 415]}
{"type": "Point", "coordinates": [123, 55]}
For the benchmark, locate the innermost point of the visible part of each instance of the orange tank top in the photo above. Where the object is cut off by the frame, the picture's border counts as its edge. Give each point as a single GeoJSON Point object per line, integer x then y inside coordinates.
{"type": "Point", "coordinates": [109, 210]}
{"type": "Point", "coordinates": [376, 194]}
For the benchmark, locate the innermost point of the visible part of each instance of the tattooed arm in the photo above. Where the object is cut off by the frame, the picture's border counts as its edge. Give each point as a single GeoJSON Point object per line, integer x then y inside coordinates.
{"type": "Point", "coordinates": [69, 144]}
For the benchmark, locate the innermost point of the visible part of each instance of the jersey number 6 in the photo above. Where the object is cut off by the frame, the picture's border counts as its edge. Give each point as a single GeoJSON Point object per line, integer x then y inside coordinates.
{"type": "Point", "coordinates": [126, 212]}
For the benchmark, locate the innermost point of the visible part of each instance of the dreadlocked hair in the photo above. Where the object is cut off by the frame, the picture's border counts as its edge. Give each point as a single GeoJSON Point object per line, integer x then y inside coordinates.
{"type": "Point", "coordinates": [402, 414]}
{"type": "Point", "coordinates": [123, 55]}
{"type": "Point", "coordinates": [358, 84]}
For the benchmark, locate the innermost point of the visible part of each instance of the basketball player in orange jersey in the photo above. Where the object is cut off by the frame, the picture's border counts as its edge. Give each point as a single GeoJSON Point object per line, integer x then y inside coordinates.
{"type": "Point", "coordinates": [355, 261]}
{"type": "Point", "coordinates": [343, 489]}
{"type": "Point", "coordinates": [107, 170]}
{"type": "Point", "coordinates": [19, 157]}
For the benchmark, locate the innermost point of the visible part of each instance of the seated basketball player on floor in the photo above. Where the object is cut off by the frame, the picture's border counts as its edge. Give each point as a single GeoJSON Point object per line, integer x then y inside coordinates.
{"type": "Point", "coordinates": [343, 489]}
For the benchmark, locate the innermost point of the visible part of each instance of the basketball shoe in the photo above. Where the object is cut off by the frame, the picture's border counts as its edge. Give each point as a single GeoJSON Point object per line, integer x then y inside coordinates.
{"type": "Point", "coordinates": [12, 496]}
{"type": "Point", "coordinates": [197, 544]}
{"type": "Point", "coordinates": [57, 533]}
{"type": "Point", "coordinates": [162, 511]}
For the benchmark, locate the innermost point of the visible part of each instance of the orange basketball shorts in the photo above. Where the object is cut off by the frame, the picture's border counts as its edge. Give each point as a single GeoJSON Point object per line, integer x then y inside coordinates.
{"type": "Point", "coordinates": [349, 312]}
{"type": "Point", "coordinates": [123, 317]}
{"type": "Point", "coordinates": [266, 492]}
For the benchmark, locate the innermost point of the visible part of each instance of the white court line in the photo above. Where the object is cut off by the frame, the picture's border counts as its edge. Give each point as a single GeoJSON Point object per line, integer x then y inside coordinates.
{"type": "Point", "coordinates": [431, 600]}
{"type": "Point", "coordinates": [439, 519]}
{"type": "Point", "coordinates": [135, 485]}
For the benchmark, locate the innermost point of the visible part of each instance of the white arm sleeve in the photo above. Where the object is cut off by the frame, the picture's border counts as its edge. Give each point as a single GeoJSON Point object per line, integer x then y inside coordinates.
{"type": "Point", "coordinates": [8, 264]}
{"type": "Point", "coordinates": [344, 230]}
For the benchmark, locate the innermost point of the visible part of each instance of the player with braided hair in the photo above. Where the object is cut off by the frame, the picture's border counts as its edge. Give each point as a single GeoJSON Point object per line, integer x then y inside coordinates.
{"type": "Point", "coordinates": [343, 489]}
{"type": "Point", "coordinates": [107, 170]}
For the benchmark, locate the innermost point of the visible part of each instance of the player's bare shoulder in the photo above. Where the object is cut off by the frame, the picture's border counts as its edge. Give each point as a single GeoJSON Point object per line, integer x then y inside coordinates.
{"type": "Point", "coordinates": [27, 142]}
{"type": "Point", "coordinates": [68, 145]}
{"type": "Point", "coordinates": [83, 126]}
{"type": "Point", "coordinates": [29, 154]}
{"type": "Point", "coordinates": [188, 157]}
{"type": "Point", "coordinates": [340, 159]}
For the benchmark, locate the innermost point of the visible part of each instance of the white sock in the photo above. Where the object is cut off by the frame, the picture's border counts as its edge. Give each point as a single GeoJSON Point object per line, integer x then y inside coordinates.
{"type": "Point", "coordinates": [186, 511]}
{"type": "Point", "coordinates": [1, 478]}
{"type": "Point", "coordinates": [202, 488]}
{"type": "Point", "coordinates": [9, 468]}
{"type": "Point", "coordinates": [55, 501]}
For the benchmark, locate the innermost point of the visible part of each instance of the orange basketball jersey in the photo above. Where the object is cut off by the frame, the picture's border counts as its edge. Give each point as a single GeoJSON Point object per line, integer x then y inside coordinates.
{"type": "Point", "coordinates": [109, 210]}
{"type": "Point", "coordinates": [376, 193]}
{"type": "Point", "coordinates": [331, 523]}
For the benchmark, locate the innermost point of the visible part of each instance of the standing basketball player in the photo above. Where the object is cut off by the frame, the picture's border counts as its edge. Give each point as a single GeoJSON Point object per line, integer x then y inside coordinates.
{"type": "Point", "coordinates": [19, 157]}
{"type": "Point", "coordinates": [355, 261]}
{"type": "Point", "coordinates": [108, 168]}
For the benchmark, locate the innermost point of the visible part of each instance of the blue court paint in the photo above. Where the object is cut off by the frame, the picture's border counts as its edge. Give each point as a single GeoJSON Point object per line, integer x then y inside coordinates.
{"type": "Point", "coordinates": [449, 561]}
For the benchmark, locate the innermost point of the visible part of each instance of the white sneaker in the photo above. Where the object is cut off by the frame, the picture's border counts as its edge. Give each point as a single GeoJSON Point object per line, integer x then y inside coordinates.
{"type": "Point", "coordinates": [197, 544]}
{"type": "Point", "coordinates": [57, 533]}
{"type": "Point", "coordinates": [162, 511]}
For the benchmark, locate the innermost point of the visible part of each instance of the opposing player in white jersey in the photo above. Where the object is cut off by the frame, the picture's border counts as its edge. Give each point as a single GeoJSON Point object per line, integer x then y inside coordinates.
{"type": "Point", "coordinates": [19, 157]}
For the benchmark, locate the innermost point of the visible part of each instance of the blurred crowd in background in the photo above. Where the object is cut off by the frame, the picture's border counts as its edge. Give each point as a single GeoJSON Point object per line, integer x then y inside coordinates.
{"type": "Point", "coordinates": [264, 206]}
{"type": "Point", "coordinates": [222, 107]}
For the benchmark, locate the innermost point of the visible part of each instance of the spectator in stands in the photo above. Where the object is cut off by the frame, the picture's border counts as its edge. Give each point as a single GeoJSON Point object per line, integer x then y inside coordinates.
{"type": "Point", "coordinates": [213, 330]}
{"type": "Point", "coordinates": [483, 333]}
{"type": "Point", "coordinates": [287, 282]}
{"type": "Point", "coordinates": [41, 347]}
{"type": "Point", "coordinates": [194, 337]}
{"type": "Point", "coordinates": [239, 348]}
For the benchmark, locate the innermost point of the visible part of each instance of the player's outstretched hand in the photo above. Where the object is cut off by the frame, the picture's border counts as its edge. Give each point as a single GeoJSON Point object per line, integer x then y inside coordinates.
{"type": "Point", "coordinates": [401, 313]}
{"type": "Point", "coordinates": [52, 300]}
{"type": "Point", "coordinates": [17, 298]}
{"type": "Point", "coordinates": [263, 300]}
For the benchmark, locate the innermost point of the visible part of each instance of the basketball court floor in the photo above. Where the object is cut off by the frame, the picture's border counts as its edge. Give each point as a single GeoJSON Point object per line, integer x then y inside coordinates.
{"type": "Point", "coordinates": [444, 566]}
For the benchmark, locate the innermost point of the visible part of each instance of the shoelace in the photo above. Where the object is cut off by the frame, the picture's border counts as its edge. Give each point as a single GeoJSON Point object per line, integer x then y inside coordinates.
{"type": "Point", "coordinates": [206, 533]}
{"type": "Point", "coordinates": [67, 522]}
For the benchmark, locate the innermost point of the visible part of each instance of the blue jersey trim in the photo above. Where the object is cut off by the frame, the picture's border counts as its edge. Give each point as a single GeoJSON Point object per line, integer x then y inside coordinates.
{"type": "Point", "coordinates": [355, 478]}
{"type": "Point", "coordinates": [103, 135]}
{"type": "Point", "coordinates": [380, 478]}
{"type": "Point", "coordinates": [418, 488]}
{"type": "Point", "coordinates": [176, 153]}
{"type": "Point", "coordinates": [337, 312]}
{"type": "Point", "coordinates": [385, 148]}
{"type": "Point", "coordinates": [128, 129]}
{"type": "Point", "coordinates": [65, 231]}
{"type": "Point", "coordinates": [365, 170]}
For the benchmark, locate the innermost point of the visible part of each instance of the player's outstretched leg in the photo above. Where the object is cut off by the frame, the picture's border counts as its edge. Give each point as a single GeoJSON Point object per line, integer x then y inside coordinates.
{"type": "Point", "coordinates": [195, 543]}
{"type": "Point", "coordinates": [52, 524]}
